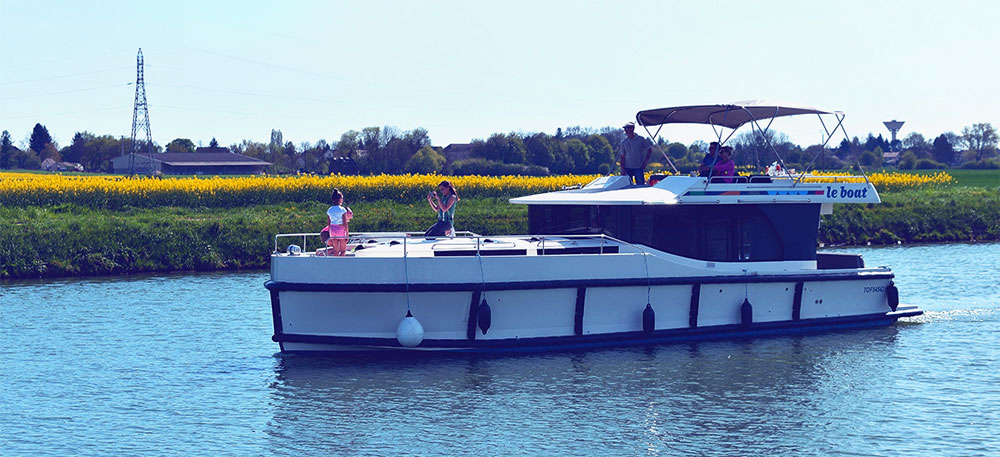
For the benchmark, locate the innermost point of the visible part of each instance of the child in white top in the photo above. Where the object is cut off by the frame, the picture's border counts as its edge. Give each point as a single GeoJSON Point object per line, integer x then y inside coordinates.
{"type": "Point", "coordinates": [337, 217]}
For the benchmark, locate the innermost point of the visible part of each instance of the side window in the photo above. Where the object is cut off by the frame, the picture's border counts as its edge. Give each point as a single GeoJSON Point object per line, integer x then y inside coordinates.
{"type": "Point", "coordinates": [717, 246]}
{"type": "Point", "coordinates": [642, 226]}
{"type": "Point", "coordinates": [758, 239]}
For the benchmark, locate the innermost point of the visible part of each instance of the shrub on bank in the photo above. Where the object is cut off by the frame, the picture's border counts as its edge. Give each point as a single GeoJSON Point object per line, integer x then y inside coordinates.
{"type": "Point", "coordinates": [961, 214]}
{"type": "Point", "coordinates": [984, 164]}
{"type": "Point", "coordinates": [70, 240]}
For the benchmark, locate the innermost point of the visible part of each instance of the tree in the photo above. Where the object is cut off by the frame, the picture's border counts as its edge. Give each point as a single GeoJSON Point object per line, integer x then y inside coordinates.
{"type": "Point", "coordinates": [348, 145]}
{"type": "Point", "coordinates": [213, 143]}
{"type": "Point", "coordinates": [676, 150]}
{"type": "Point", "coordinates": [275, 150]}
{"type": "Point", "coordinates": [6, 150]}
{"type": "Point", "coordinates": [290, 155]}
{"type": "Point", "coordinates": [915, 142]}
{"type": "Point", "coordinates": [500, 148]}
{"type": "Point", "coordinates": [540, 149]}
{"type": "Point", "coordinates": [982, 139]}
{"type": "Point", "coordinates": [181, 145]}
{"type": "Point", "coordinates": [251, 149]}
{"type": "Point", "coordinates": [579, 154]}
{"type": "Point", "coordinates": [39, 138]}
{"type": "Point", "coordinates": [752, 147]}
{"type": "Point", "coordinates": [426, 160]}
{"type": "Point", "coordinates": [871, 158]}
{"type": "Point", "coordinates": [614, 136]}
{"type": "Point", "coordinates": [601, 153]}
{"type": "Point", "coordinates": [942, 150]}
{"type": "Point", "coordinates": [823, 159]}
{"type": "Point", "coordinates": [49, 152]}
{"type": "Point", "coordinates": [907, 161]}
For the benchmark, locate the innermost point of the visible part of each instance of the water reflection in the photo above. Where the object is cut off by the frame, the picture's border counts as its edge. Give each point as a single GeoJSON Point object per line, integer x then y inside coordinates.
{"type": "Point", "coordinates": [742, 395]}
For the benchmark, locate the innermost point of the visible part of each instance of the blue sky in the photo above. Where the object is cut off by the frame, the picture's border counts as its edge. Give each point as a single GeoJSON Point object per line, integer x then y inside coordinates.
{"type": "Point", "coordinates": [464, 70]}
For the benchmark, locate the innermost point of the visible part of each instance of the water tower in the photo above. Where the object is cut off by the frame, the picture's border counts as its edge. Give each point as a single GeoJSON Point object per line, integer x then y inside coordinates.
{"type": "Point", "coordinates": [893, 127]}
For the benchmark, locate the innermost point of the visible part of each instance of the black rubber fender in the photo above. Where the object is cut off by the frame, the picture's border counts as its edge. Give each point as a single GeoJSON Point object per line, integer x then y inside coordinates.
{"type": "Point", "coordinates": [648, 319]}
{"type": "Point", "coordinates": [892, 295]}
{"type": "Point", "coordinates": [485, 316]}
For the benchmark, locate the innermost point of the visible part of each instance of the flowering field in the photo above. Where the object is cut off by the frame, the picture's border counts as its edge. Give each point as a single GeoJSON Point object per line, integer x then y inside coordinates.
{"type": "Point", "coordinates": [19, 189]}
{"type": "Point", "coordinates": [113, 192]}
{"type": "Point", "coordinates": [892, 181]}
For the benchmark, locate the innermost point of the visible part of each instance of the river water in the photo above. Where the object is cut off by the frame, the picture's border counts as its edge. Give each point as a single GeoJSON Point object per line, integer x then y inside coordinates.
{"type": "Point", "coordinates": [184, 365]}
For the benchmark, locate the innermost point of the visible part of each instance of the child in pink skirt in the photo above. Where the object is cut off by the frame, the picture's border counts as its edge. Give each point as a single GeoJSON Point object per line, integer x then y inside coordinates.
{"type": "Point", "coordinates": [338, 216]}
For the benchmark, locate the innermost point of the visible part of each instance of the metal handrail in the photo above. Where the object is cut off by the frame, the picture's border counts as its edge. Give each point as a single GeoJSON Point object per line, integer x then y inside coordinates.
{"type": "Point", "coordinates": [465, 235]}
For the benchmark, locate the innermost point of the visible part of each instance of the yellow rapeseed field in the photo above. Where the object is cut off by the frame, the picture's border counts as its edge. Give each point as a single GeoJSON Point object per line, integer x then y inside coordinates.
{"type": "Point", "coordinates": [25, 189]}
{"type": "Point", "coordinates": [891, 181]}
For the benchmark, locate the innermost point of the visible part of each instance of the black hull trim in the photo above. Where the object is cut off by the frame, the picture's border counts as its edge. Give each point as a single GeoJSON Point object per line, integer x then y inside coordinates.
{"type": "Point", "coordinates": [719, 332]}
{"type": "Point", "coordinates": [281, 286]}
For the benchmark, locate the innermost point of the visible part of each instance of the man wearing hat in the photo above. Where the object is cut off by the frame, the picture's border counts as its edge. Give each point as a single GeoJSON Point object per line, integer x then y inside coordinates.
{"type": "Point", "coordinates": [633, 154]}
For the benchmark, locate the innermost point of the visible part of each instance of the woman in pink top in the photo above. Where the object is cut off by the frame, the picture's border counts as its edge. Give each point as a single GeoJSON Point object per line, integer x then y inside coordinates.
{"type": "Point", "coordinates": [337, 218]}
{"type": "Point", "coordinates": [725, 165]}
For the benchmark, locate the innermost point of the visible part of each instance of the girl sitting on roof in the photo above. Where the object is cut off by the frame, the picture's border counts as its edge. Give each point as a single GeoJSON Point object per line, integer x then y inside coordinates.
{"type": "Point", "coordinates": [445, 207]}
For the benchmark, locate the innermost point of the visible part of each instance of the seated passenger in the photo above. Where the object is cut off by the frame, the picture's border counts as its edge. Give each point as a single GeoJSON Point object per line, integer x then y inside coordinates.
{"type": "Point", "coordinates": [709, 160]}
{"type": "Point", "coordinates": [725, 166]}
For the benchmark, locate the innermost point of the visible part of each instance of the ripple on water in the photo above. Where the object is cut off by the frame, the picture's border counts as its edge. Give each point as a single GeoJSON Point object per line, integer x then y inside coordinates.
{"type": "Point", "coordinates": [183, 364]}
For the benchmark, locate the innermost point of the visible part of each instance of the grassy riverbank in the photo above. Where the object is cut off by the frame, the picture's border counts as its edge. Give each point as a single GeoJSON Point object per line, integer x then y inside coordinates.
{"type": "Point", "coordinates": [71, 240]}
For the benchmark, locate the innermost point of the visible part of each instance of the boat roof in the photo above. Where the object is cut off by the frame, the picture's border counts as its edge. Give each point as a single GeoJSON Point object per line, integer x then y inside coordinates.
{"type": "Point", "coordinates": [679, 190]}
{"type": "Point", "coordinates": [731, 115]}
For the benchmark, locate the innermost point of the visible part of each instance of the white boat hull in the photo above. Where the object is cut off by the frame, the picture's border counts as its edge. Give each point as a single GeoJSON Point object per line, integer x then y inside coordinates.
{"type": "Point", "coordinates": [555, 311]}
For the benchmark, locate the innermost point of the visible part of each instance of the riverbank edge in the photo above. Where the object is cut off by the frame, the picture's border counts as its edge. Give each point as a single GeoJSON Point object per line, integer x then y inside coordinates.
{"type": "Point", "coordinates": [68, 240]}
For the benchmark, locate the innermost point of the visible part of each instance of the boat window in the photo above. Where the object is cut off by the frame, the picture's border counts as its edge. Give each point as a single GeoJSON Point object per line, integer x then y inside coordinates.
{"type": "Point", "coordinates": [725, 233]}
{"type": "Point", "coordinates": [717, 238]}
{"type": "Point", "coordinates": [563, 220]}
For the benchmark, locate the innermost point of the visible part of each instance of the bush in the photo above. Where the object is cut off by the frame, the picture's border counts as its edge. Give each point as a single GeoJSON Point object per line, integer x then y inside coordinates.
{"type": "Point", "coordinates": [483, 167]}
{"type": "Point", "coordinates": [928, 164]}
{"type": "Point", "coordinates": [985, 164]}
{"type": "Point", "coordinates": [908, 161]}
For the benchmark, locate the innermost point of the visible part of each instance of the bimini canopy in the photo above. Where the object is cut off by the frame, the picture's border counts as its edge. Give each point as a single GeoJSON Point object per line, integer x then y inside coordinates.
{"type": "Point", "coordinates": [731, 116]}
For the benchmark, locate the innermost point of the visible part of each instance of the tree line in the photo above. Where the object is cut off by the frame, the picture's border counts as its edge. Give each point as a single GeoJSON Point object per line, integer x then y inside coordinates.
{"type": "Point", "coordinates": [578, 150]}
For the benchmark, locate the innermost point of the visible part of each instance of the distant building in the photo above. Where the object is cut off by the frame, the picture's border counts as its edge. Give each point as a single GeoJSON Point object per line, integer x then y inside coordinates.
{"type": "Point", "coordinates": [206, 161]}
{"type": "Point", "coordinates": [342, 166]}
{"type": "Point", "coordinates": [890, 157]}
{"type": "Point", "coordinates": [52, 165]}
{"type": "Point", "coordinates": [457, 151]}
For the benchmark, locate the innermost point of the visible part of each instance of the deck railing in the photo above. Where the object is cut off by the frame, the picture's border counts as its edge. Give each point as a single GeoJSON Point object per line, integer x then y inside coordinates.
{"type": "Point", "coordinates": [482, 242]}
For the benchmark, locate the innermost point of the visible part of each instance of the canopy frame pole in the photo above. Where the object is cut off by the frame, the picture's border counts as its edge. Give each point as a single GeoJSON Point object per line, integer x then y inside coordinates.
{"type": "Point", "coordinates": [840, 124]}
{"type": "Point", "coordinates": [763, 134]}
{"type": "Point", "coordinates": [653, 137]}
{"type": "Point", "coordinates": [718, 134]}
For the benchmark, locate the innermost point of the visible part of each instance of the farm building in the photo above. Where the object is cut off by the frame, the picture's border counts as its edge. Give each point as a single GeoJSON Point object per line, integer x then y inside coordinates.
{"type": "Point", "coordinates": [205, 161]}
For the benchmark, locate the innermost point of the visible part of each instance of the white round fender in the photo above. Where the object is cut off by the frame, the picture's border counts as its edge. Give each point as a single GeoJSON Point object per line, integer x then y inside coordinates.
{"type": "Point", "coordinates": [409, 333]}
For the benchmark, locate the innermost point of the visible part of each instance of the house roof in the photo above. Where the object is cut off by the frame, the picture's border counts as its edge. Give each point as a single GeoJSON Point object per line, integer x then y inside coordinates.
{"type": "Point", "coordinates": [193, 159]}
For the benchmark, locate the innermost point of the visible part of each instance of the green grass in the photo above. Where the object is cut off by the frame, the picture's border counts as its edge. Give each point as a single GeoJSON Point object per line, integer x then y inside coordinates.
{"type": "Point", "coordinates": [988, 179]}
{"type": "Point", "coordinates": [917, 216]}
{"type": "Point", "coordinates": [70, 240]}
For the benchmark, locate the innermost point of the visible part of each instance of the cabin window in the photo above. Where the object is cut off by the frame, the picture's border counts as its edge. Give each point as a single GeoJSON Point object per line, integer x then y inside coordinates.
{"type": "Point", "coordinates": [717, 238]}
{"type": "Point", "coordinates": [564, 220]}
{"type": "Point", "coordinates": [723, 233]}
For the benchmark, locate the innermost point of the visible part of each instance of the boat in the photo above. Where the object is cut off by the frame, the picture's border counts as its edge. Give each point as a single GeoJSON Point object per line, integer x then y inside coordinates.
{"type": "Point", "coordinates": [607, 264]}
